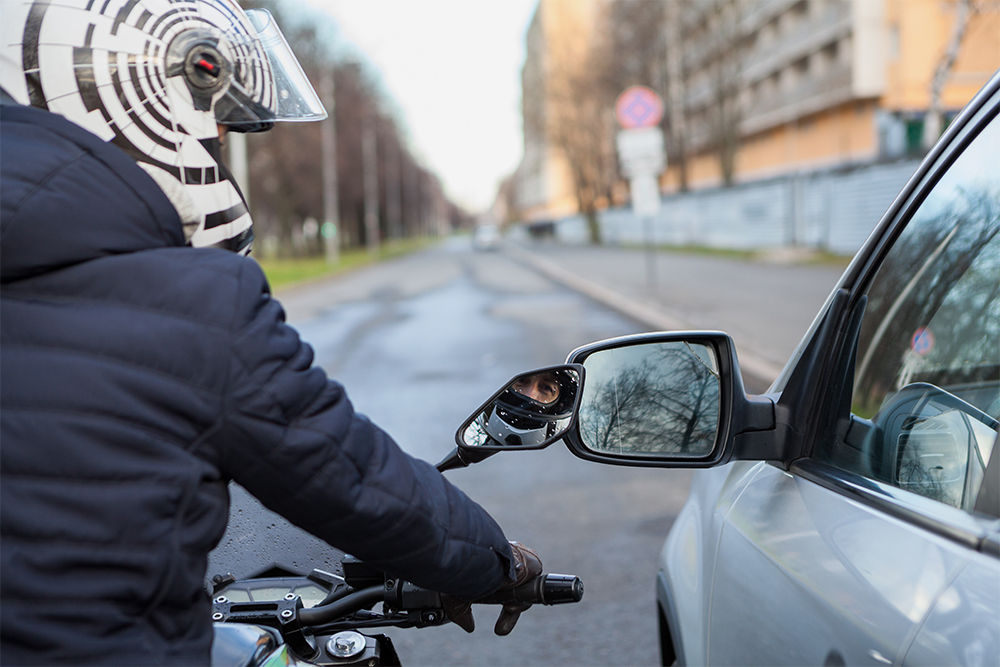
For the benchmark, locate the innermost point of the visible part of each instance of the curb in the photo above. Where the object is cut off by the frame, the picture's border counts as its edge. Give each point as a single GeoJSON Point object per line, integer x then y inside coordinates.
{"type": "Point", "coordinates": [655, 318]}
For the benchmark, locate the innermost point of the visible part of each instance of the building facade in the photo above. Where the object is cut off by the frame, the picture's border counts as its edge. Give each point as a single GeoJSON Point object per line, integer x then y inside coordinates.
{"type": "Point", "coordinates": [557, 39]}
{"type": "Point", "coordinates": [820, 83]}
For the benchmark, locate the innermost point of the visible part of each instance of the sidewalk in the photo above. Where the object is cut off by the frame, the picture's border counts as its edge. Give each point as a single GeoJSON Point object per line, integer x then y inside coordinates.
{"type": "Point", "coordinates": [766, 306]}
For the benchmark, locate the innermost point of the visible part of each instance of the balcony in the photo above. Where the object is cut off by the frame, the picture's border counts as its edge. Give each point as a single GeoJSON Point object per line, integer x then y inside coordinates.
{"type": "Point", "coordinates": [809, 95]}
{"type": "Point", "coordinates": [810, 35]}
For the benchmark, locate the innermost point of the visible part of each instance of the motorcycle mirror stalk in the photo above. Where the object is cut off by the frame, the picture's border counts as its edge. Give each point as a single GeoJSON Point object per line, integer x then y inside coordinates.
{"type": "Point", "coordinates": [462, 458]}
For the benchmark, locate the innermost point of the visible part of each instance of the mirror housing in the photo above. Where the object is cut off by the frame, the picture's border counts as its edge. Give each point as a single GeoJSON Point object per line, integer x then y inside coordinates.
{"type": "Point", "coordinates": [531, 411]}
{"type": "Point", "coordinates": [691, 403]}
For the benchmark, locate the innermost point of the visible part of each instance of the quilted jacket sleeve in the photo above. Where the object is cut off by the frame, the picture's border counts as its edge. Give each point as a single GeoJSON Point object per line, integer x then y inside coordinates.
{"type": "Point", "coordinates": [291, 437]}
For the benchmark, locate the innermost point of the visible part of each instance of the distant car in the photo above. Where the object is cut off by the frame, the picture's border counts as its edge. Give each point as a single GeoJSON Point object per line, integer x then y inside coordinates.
{"type": "Point", "coordinates": [851, 514]}
{"type": "Point", "coordinates": [486, 237]}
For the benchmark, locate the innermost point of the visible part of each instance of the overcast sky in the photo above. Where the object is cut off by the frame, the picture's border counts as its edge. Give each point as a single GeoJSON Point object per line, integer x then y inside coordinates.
{"type": "Point", "coordinates": [453, 67]}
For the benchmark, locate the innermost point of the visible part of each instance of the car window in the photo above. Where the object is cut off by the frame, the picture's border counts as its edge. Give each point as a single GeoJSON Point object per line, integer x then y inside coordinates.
{"type": "Point", "coordinates": [927, 375]}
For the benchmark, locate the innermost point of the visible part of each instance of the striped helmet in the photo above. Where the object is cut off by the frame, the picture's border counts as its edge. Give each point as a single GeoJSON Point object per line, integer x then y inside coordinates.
{"type": "Point", "coordinates": [158, 78]}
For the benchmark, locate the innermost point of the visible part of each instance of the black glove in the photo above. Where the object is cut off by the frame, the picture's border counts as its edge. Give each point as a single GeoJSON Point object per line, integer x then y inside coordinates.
{"type": "Point", "coordinates": [459, 612]}
{"type": "Point", "coordinates": [527, 566]}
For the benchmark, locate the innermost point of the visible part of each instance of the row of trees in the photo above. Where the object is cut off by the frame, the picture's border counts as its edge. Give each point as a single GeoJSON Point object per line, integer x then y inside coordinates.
{"type": "Point", "coordinates": [286, 185]}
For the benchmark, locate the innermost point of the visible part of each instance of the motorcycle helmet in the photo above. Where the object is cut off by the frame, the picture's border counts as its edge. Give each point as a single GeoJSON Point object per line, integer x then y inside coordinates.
{"type": "Point", "coordinates": [517, 419]}
{"type": "Point", "coordinates": [158, 78]}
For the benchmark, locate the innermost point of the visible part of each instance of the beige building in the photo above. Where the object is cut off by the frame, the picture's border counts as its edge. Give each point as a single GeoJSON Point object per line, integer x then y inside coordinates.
{"type": "Point", "coordinates": [828, 82]}
{"type": "Point", "coordinates": [818, 83]}
{"type": "Point", "coordinates": [557, 38]}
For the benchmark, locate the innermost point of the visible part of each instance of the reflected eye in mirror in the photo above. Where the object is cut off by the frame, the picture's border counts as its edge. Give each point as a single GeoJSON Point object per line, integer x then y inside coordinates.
{"type": "Point", "coordinates": [542, 388]}
{"type": "Point", "coordinates": [531, 411]}
{"type": "Point", "coordinates": [654, 399]}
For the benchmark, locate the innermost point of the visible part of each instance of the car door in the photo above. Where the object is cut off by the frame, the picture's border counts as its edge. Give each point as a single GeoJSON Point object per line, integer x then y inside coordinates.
{"type": "Point", "coordinates": [879, 545]}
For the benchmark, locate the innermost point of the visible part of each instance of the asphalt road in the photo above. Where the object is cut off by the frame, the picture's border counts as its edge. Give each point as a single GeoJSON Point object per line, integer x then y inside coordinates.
{"type": "Point", "coordinates": [420, 343]}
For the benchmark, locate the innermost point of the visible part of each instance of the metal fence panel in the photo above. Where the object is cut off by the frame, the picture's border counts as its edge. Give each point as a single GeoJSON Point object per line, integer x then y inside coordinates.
{"type": "Point", "coordinates": [833, 210]}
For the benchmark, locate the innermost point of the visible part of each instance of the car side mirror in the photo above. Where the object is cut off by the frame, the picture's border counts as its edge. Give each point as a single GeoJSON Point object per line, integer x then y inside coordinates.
{"type": "Point", "coordinates": [664, 399]}
{"type": "Point", "coordinates": [531, 411]}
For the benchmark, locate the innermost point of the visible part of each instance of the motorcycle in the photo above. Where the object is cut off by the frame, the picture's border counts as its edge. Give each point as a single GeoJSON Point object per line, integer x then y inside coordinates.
{"type": "Point", "coordinates": [278, 617]}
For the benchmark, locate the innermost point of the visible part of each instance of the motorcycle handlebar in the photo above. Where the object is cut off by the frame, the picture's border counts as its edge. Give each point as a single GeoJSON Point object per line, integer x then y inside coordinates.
{"type": "Point", "coordinates": [546, 589]}
{"type": "Point", "coordinates": [345, 606]}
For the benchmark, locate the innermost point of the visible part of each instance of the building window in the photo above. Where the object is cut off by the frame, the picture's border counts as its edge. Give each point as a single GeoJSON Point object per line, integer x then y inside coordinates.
{"type": "Point", "coordinates": [831, 51]}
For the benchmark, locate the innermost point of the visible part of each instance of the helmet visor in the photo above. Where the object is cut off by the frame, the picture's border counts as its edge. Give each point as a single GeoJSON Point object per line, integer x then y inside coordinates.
{"type": "Point", "coordinates": [268, 83]}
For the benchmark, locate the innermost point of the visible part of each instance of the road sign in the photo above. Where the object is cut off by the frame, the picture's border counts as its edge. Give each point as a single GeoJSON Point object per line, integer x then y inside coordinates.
{"type": "Point", "coordinates": [638, 106]}
{"type": "Point", "coordinates": [640, 151]}
{"type": "Point", "coordinates": [645, 191]}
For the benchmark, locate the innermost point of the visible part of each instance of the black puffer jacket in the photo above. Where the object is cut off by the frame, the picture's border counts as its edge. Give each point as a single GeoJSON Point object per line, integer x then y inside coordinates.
{"type": "Point", "coordinates": [140, 376]}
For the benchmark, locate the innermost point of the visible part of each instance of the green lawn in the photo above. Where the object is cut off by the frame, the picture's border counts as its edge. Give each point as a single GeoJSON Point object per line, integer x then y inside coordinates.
{"type": "Point", "coordinates": [284, 272]}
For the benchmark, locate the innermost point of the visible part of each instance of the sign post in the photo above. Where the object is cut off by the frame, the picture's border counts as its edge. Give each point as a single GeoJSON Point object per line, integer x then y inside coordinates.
{"type": "Point", "coordinates": [640, 152]}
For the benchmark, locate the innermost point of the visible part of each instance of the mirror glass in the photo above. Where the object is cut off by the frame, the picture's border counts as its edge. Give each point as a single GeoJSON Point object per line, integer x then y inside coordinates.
{"type": "Point", "coordinates": [533, 409]}
{"type": "Point", "coordinates": [657, 399]}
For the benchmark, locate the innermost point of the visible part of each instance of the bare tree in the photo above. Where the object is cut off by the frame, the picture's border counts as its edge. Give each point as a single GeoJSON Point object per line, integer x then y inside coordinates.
{"type": "Point", "coordinates": [727, 48]}
{"type": "Point", "coordinates": [676, 126]}
{"type": "Point", "coordinates": [648, 46]}
{"type": "Point", "coordinates": [285, 163]}
{"type": "Point", "coordinates": [580, 117]}
{"type": "Point", "coordinates": [637, 50]}
{"type": "Point", "coordinates": [964, 9]}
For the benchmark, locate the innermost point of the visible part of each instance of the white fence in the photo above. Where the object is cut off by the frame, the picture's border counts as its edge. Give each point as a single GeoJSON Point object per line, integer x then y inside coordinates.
{"type": "Point", "coordinates": [832, 210]}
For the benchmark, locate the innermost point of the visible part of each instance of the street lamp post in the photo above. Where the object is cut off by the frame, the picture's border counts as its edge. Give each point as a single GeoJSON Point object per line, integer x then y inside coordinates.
{"type": "Point", "coordinates": [330, 229]}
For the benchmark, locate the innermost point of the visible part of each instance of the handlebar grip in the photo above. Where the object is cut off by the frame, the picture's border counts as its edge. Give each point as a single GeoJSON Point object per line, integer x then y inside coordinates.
{"type": "Point", "coordinates": [562, 589]}
{"type": "Point", "coordinates": [547, 589]}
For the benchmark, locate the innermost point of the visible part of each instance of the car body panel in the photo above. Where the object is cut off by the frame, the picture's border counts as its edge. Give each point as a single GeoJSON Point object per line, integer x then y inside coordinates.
{"type": "Point", "coordinates": [832, 579]}
{"type": "Point", "coordinates": [690, 551]}
{"type": "Point", "coordinates": [797, 562]}
{"type": "Point", "coordinates": [954, 632]}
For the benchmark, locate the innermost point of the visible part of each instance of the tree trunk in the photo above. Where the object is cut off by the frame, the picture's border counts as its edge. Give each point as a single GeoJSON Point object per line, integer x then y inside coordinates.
{"type": "Point", "coordinates": [933, 121]}
{"type": "Point", "coordinates": [594, 227]}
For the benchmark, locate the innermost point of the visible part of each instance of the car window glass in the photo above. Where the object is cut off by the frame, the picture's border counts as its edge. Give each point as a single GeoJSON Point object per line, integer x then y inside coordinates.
{"type": "Point", "coordinates": [927, 374]}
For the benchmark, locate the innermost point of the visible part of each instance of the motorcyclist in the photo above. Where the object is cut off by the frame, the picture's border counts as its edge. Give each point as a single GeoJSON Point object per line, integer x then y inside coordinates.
{"type": "Point", "coordinates": [144, 365]}
{"type": "Point", "coordinates": [530, 411]}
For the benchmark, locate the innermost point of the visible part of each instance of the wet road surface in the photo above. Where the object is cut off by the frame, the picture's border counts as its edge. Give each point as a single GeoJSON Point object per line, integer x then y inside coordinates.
{"type": "Point", "coordinates": [420, 342]}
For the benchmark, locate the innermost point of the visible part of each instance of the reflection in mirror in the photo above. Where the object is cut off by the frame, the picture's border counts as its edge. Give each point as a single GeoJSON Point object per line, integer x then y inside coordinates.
{"type": "Point", "coordinates": [660, 399]}
{"type": "Point", "coordinates": [532, 409]}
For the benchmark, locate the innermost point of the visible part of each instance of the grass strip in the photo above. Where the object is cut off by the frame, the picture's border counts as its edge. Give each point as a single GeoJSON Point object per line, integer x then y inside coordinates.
{"type": "Point", "coordinates": [803, 257]}
{"type": "Point", "coordinates": [289, 271]}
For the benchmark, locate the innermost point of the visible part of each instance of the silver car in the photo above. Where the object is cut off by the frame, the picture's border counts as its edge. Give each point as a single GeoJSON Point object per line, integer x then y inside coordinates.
{"type": "Point", "coordinates": [486, 237]}
{"type": "Point", "coordinates": [849, 516]}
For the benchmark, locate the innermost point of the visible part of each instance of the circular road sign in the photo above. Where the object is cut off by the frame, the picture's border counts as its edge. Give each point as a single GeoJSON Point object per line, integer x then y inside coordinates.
{"type": "Point", "coordinates": [638, 106]}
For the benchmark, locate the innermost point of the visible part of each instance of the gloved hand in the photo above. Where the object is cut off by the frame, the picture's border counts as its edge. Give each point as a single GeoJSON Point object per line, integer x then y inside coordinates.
{"type": "Point", "coordinates": [459, 612]}
{"type": "Point", "coordinates": [527, 565]}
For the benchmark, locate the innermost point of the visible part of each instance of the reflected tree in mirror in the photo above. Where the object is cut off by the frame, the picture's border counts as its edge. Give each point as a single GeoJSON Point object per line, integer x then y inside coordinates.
{"type": "Point", "coordinates": [655, 398]}
{"type": "Point", "coordinates": [533, 409]}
